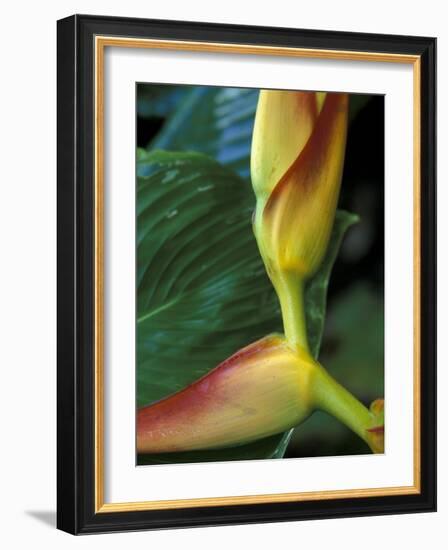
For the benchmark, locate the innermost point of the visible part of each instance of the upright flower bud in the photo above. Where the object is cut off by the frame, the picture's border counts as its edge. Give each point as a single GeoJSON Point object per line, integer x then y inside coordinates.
{"type": "Point", "coordinates": [297, 160]}
{"type": "Point", "coordinates": [262, 390]}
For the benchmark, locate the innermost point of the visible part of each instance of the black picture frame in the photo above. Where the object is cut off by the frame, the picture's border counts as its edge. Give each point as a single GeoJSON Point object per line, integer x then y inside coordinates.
{"type": "Point", "coordinates": [76, 511]}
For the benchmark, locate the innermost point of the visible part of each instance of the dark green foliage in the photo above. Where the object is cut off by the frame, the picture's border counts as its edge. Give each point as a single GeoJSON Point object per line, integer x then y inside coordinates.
{"type": "Point", "coordinates": [215, 121]}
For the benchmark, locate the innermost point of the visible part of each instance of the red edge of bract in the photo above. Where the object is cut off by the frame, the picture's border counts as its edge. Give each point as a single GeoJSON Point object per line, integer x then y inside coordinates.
{"type": "Point", "coordinates": [376, 429]}
{"type": "Point", "coordinates": [252, 349]}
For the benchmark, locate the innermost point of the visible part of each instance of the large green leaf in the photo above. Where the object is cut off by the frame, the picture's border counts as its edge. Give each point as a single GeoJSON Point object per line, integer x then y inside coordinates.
{"type": "Point", "coordinates": [215, 121]}
{"type": "Point", "coordinates": [316, 290]}
{"type": "Point", "coordinates": [202, 289]}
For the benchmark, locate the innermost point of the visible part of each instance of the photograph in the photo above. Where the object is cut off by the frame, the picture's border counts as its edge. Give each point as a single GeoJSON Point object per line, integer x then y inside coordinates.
{"type": "Point", "coordinates": [259, 273]}
{"type": "Point", "coordinates": [246, 274]}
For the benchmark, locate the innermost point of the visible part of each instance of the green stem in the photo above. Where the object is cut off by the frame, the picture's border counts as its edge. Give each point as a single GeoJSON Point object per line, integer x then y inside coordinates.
{"type": "Point", "coordinates": [290, 291]}
{"type": "Point", "coordinates": [334, 399]}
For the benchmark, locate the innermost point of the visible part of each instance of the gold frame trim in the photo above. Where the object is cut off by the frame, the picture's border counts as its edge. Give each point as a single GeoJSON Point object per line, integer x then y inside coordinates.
{"type": "Point", "coordinates": [101, 42]}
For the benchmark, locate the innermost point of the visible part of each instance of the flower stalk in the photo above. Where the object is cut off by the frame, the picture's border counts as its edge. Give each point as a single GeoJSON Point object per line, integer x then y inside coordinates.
{"type": "Point", "coordinates": [291, 293]}
{"type": "Point", "coordinates": [332, 398]}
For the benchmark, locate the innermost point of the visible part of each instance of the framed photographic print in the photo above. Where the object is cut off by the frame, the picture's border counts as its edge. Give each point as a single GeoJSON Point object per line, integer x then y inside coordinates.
{"type": "Point", "coordinates": [246, 274]}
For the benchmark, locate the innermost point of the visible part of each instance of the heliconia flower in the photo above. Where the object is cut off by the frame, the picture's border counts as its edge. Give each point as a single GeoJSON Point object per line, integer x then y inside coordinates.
{"type": "Point", "coordinates": [297, 159]}
{"type": "Point", "coordinates": [283, 124]}
{"type": "Point", "coordinates": [261, 390]}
